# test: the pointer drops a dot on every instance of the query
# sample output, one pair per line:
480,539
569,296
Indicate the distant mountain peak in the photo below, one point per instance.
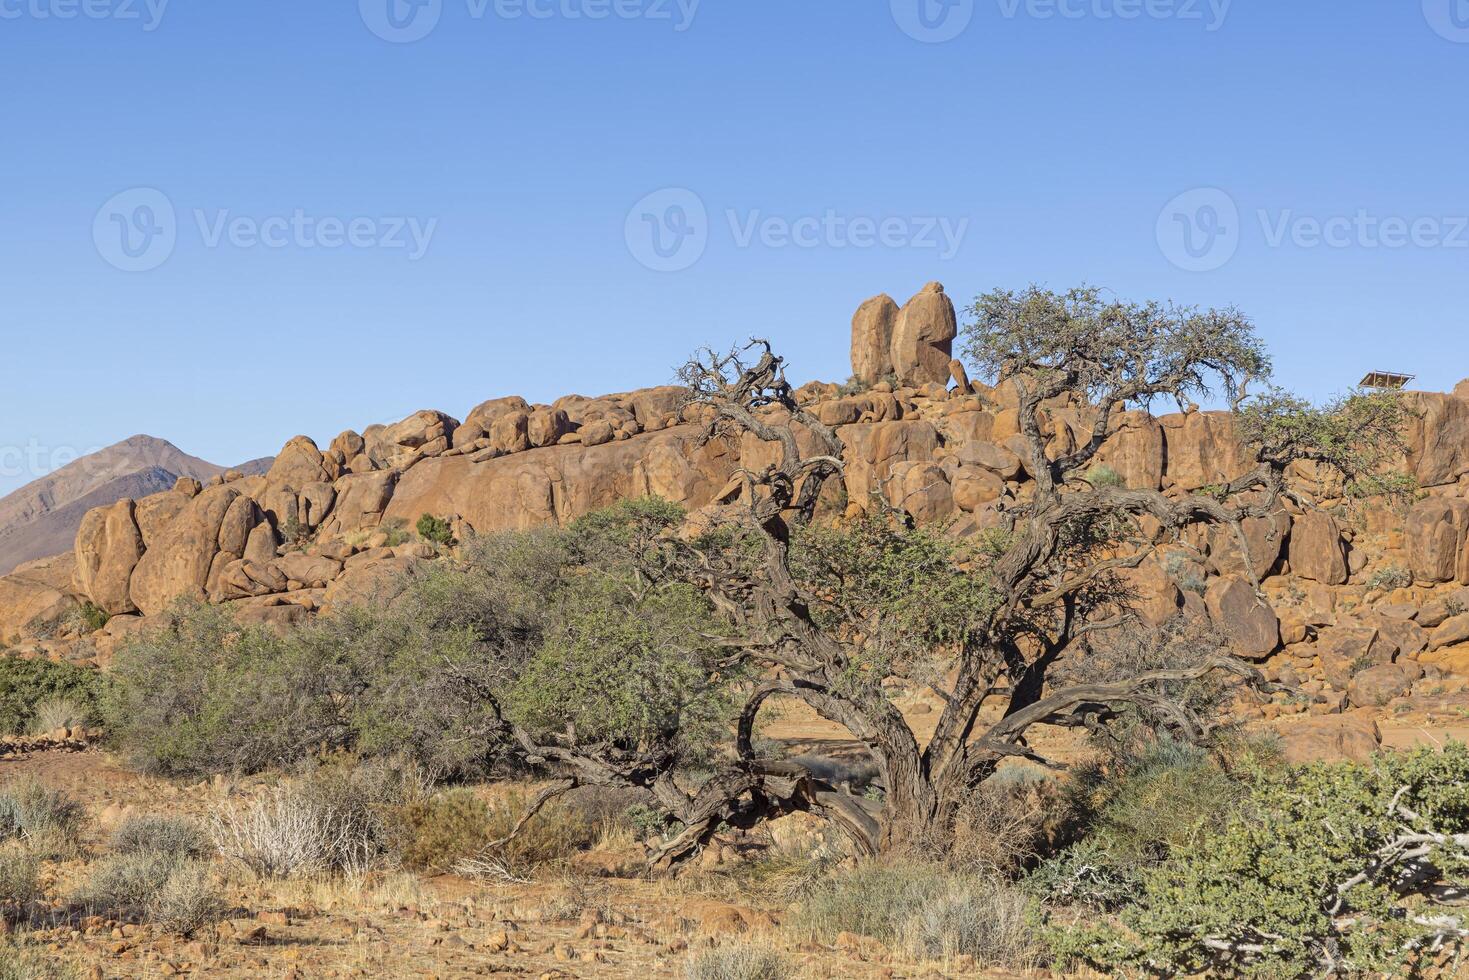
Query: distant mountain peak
41,518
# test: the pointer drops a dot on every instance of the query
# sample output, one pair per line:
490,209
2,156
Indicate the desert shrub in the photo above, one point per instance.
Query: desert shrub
984,918
551,621
187,901
1130,813
123,883
1389,578
998,829
26,684
297,830
55,713
21,960
48,820
19,876
436,833
925,909
204,694
173,837
1103,475
91,617
435,530
394,534
173,892
454,829
1323,869
874,900
738,961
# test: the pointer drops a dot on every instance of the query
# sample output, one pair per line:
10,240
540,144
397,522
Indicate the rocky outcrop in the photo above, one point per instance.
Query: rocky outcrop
923,338
108,548
179,563
872,339
1361,615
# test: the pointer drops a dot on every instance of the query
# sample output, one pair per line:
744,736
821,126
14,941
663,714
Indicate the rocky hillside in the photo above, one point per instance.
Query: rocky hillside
42,518
1356,611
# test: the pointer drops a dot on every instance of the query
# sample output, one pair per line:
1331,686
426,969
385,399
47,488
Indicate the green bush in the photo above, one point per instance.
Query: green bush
435,530
556,623
25,684
1322,869
203,694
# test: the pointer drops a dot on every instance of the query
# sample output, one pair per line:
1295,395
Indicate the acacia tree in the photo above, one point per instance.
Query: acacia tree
833,615
819,621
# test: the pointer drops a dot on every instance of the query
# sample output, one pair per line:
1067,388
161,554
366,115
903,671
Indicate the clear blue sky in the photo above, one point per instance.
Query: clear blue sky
523,143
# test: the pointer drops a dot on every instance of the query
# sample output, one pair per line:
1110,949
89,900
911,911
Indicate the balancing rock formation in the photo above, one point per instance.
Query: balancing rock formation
1357,614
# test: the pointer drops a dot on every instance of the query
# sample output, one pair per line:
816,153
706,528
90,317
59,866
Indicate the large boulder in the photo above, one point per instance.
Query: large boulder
1330,738
484,415
1377,685
1317,550
361,500
1438,437
425,433
1264,538
546,426
1434,534
560,483
923,338
872,339
300,462
873,450
1201,450
922,490
108,548
1248,621
35,598
1344,651
179,562
1133,450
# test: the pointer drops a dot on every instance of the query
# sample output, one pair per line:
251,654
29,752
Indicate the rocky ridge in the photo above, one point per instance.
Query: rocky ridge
1356,614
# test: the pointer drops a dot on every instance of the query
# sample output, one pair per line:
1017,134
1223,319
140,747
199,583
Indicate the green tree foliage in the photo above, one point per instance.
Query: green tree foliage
1321,869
